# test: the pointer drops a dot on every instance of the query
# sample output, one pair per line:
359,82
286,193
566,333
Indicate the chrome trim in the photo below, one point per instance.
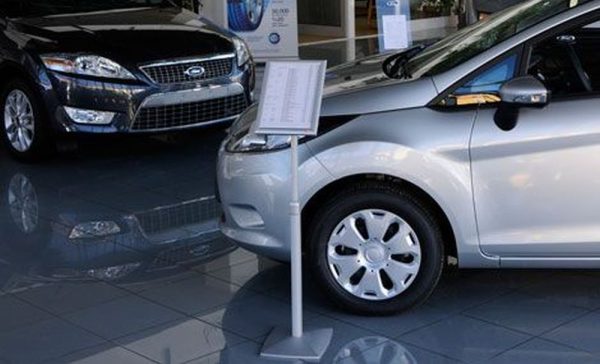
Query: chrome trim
183,127
206,93
172,62
180,61
192,95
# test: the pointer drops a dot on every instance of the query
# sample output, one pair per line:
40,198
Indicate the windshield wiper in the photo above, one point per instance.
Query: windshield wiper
395,66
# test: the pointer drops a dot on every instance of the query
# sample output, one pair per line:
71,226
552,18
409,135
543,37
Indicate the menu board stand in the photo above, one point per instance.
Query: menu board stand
290,106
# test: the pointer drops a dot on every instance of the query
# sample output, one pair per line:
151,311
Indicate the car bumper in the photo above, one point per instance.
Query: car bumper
254,190
142,107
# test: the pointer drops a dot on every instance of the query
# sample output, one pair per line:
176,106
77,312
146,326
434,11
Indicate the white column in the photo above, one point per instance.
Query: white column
350,31
349,9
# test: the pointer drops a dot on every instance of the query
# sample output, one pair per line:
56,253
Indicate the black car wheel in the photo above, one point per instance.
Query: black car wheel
376,249
245,15
24,131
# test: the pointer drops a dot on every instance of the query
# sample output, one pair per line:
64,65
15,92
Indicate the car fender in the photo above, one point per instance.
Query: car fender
437,164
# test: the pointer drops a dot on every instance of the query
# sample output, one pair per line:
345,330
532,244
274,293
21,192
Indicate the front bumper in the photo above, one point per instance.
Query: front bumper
255,194
129,99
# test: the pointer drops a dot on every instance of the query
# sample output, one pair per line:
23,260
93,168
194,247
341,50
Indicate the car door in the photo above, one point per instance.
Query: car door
537,186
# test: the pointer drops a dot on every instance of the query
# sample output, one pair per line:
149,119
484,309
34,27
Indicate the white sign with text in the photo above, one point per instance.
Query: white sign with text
395,32
290,102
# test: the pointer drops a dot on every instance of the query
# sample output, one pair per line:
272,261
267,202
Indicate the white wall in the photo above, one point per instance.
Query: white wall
215,10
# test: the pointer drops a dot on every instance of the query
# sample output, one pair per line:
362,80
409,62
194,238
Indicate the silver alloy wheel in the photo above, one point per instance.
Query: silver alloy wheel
374,254
23,203
19,120
255,9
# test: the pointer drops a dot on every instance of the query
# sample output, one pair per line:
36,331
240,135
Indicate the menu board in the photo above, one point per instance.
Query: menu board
290,102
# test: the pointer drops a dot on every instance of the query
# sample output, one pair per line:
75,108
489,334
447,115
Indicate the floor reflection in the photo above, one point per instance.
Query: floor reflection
51,234
374,350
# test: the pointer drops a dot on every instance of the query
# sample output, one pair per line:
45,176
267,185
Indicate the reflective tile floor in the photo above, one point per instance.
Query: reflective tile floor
110,254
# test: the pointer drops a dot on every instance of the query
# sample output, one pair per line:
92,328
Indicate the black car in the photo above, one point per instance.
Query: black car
114,67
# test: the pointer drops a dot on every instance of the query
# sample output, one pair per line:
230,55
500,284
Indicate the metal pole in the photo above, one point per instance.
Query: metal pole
296,246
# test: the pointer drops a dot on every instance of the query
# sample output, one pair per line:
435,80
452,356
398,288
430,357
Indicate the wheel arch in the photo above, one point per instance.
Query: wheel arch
310,208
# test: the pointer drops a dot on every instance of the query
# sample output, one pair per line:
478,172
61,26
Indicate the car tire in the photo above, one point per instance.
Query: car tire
412,257
245,15
28,139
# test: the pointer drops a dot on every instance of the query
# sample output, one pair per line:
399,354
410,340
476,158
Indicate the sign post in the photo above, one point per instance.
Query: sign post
290,105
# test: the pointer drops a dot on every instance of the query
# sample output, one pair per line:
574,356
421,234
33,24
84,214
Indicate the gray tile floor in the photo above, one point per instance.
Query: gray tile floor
168,289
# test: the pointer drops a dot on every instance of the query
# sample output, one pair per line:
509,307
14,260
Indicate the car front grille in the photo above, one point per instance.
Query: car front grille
171,73
187,114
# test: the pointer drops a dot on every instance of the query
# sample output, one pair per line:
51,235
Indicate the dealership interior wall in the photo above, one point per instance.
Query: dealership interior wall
343,30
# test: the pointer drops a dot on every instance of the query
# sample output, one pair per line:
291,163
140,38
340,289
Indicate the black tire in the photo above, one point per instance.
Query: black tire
41,145
379,196
239,19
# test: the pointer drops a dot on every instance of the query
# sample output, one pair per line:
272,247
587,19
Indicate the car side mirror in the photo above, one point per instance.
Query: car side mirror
519,92
524,91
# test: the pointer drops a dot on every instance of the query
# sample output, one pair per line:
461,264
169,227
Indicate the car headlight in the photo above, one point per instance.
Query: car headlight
243,140
87,65
242,51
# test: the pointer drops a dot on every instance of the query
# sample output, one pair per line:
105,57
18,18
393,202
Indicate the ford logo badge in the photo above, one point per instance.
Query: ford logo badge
195,72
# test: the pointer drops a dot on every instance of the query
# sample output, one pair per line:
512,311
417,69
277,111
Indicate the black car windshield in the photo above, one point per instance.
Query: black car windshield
34,8
473,40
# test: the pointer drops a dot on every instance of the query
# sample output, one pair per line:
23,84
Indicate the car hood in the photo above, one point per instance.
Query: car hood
361,87
134,35
359,74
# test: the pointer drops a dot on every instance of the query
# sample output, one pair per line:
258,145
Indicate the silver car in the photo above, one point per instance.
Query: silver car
484,146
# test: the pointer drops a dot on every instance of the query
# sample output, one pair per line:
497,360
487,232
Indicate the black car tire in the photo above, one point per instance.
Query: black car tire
380,196
41,139
239,15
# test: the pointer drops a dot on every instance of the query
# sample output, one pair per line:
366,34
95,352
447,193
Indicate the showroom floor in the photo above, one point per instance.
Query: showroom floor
166,288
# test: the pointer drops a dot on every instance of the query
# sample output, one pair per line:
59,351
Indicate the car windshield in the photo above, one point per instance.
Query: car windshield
471,41
33,8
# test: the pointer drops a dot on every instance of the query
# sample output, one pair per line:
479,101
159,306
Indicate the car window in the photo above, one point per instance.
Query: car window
492,79
568,64
483,35
484,87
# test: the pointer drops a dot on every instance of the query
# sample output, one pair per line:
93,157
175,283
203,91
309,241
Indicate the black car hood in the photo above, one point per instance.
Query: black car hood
133,35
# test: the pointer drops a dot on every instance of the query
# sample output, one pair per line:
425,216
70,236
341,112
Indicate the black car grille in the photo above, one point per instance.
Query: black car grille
176,72
181,115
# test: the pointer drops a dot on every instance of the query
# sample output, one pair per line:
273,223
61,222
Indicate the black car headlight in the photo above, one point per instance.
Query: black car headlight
242,52
86,65
243,140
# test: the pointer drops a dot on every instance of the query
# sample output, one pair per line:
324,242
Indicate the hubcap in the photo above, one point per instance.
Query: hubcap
374,254
19,121
254,8
23,203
